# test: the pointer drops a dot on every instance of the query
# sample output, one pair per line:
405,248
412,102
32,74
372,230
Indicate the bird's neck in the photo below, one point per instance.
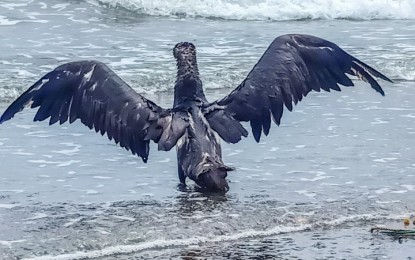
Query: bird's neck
188,86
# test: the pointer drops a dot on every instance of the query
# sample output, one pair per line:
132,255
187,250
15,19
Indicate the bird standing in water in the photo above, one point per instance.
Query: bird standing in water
291,67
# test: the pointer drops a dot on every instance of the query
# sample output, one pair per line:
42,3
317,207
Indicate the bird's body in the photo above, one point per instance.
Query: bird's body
290,68
199,153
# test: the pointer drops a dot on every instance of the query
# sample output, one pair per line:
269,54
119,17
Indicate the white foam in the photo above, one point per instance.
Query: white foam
60,7
317,178
15,191
12,6
5,21
339,168
399,191
104,232
58,163
306,193
26,126
124,218
401,69
9,243
74,150
272,9
91,192
21,153
40,134
37,216
408,187
408,115
382,190
384,160
68,163
8,206
101,177
6,94
128,249
70,223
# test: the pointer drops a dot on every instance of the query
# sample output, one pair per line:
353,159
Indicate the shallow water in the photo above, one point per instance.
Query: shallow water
338,164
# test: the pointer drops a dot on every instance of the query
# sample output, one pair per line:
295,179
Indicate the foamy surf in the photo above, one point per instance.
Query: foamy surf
159,244
278,10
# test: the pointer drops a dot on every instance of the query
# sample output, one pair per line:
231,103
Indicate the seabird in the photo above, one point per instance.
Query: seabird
291,67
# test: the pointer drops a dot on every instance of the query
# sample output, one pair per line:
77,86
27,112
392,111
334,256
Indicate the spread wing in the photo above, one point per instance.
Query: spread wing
92,92
291,67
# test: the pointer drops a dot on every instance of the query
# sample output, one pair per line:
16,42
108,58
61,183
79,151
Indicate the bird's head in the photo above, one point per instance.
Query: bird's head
213,180
188,84
187,70
185,52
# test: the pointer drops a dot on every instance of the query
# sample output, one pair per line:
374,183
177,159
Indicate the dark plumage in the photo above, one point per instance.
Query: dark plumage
291,67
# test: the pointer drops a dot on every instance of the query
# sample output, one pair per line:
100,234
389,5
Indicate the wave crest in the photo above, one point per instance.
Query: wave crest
276,10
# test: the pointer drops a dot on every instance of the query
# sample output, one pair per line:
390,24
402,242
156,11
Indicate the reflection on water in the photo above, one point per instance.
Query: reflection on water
191,203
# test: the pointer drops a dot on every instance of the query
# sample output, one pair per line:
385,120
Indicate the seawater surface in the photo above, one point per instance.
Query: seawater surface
339,164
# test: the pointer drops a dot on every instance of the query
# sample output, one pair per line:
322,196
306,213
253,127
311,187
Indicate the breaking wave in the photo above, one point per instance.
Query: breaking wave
274,10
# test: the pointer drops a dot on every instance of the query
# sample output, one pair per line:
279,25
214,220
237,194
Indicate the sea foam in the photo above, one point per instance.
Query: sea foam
159,244
278,10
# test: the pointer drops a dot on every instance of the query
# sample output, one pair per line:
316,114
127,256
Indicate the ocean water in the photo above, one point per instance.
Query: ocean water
339,164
